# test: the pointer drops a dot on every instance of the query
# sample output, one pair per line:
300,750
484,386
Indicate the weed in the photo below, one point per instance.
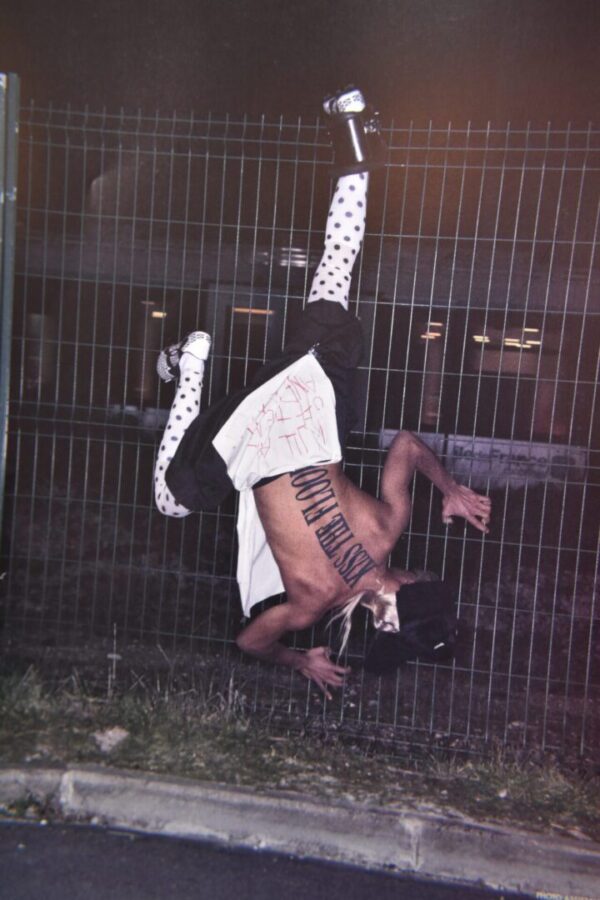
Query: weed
207,733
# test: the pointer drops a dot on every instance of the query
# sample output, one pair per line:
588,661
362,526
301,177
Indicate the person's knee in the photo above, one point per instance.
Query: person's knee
166,502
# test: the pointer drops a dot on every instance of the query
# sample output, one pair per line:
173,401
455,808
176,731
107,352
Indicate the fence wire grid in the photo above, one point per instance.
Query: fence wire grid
478,292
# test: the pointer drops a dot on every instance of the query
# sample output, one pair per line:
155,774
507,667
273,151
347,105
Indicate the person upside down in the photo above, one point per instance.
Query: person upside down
303,527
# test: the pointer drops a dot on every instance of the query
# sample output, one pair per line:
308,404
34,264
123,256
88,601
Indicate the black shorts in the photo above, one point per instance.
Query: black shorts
197,476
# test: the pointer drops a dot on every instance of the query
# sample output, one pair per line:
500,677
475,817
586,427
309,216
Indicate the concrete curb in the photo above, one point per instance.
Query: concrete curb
426,844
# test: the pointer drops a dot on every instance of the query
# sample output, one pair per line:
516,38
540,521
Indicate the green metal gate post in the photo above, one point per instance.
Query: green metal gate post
9,111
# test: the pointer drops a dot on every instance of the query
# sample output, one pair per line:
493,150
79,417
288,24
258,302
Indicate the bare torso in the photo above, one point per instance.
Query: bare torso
330,539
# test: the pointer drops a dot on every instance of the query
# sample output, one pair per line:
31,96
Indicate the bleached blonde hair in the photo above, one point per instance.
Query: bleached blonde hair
378,602
345,615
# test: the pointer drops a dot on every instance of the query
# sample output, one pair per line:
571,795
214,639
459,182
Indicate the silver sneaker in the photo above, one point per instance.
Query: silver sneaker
348,100
197,343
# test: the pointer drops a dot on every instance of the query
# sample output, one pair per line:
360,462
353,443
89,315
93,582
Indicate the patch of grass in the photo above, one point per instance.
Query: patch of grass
205,733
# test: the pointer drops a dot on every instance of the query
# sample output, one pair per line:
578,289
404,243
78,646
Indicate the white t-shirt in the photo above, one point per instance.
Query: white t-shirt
285,424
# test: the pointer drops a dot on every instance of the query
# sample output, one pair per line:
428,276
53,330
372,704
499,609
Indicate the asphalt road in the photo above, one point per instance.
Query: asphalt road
68,862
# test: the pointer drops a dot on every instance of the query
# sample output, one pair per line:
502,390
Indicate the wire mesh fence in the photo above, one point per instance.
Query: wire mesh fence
478,292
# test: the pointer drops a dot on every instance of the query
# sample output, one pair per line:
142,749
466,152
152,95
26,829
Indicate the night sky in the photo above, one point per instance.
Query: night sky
421,60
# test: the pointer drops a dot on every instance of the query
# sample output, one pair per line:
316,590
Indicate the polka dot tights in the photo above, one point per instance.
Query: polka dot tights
343,240
184,410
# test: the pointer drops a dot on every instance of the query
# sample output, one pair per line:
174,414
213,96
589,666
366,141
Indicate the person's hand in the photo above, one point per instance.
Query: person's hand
317,666
462,501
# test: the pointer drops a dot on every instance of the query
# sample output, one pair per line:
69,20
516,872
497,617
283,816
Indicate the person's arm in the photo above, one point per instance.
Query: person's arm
261,639
408,453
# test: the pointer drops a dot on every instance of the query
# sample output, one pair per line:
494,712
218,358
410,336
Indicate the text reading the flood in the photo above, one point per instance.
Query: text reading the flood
336,539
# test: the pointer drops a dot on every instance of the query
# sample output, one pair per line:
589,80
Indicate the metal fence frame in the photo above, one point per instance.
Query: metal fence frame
133,227
9,106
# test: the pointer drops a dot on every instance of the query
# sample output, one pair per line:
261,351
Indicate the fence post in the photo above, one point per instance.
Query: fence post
9,128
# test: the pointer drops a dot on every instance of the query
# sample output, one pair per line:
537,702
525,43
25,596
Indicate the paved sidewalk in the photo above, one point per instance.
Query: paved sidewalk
439,846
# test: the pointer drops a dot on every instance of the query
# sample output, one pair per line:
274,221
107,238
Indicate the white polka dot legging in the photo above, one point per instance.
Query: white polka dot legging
343,240
184,410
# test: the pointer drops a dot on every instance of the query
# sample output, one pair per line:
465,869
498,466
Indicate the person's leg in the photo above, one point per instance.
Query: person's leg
352,129
184,363
343,239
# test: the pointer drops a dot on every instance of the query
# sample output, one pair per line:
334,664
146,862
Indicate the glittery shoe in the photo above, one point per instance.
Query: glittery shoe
197,343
